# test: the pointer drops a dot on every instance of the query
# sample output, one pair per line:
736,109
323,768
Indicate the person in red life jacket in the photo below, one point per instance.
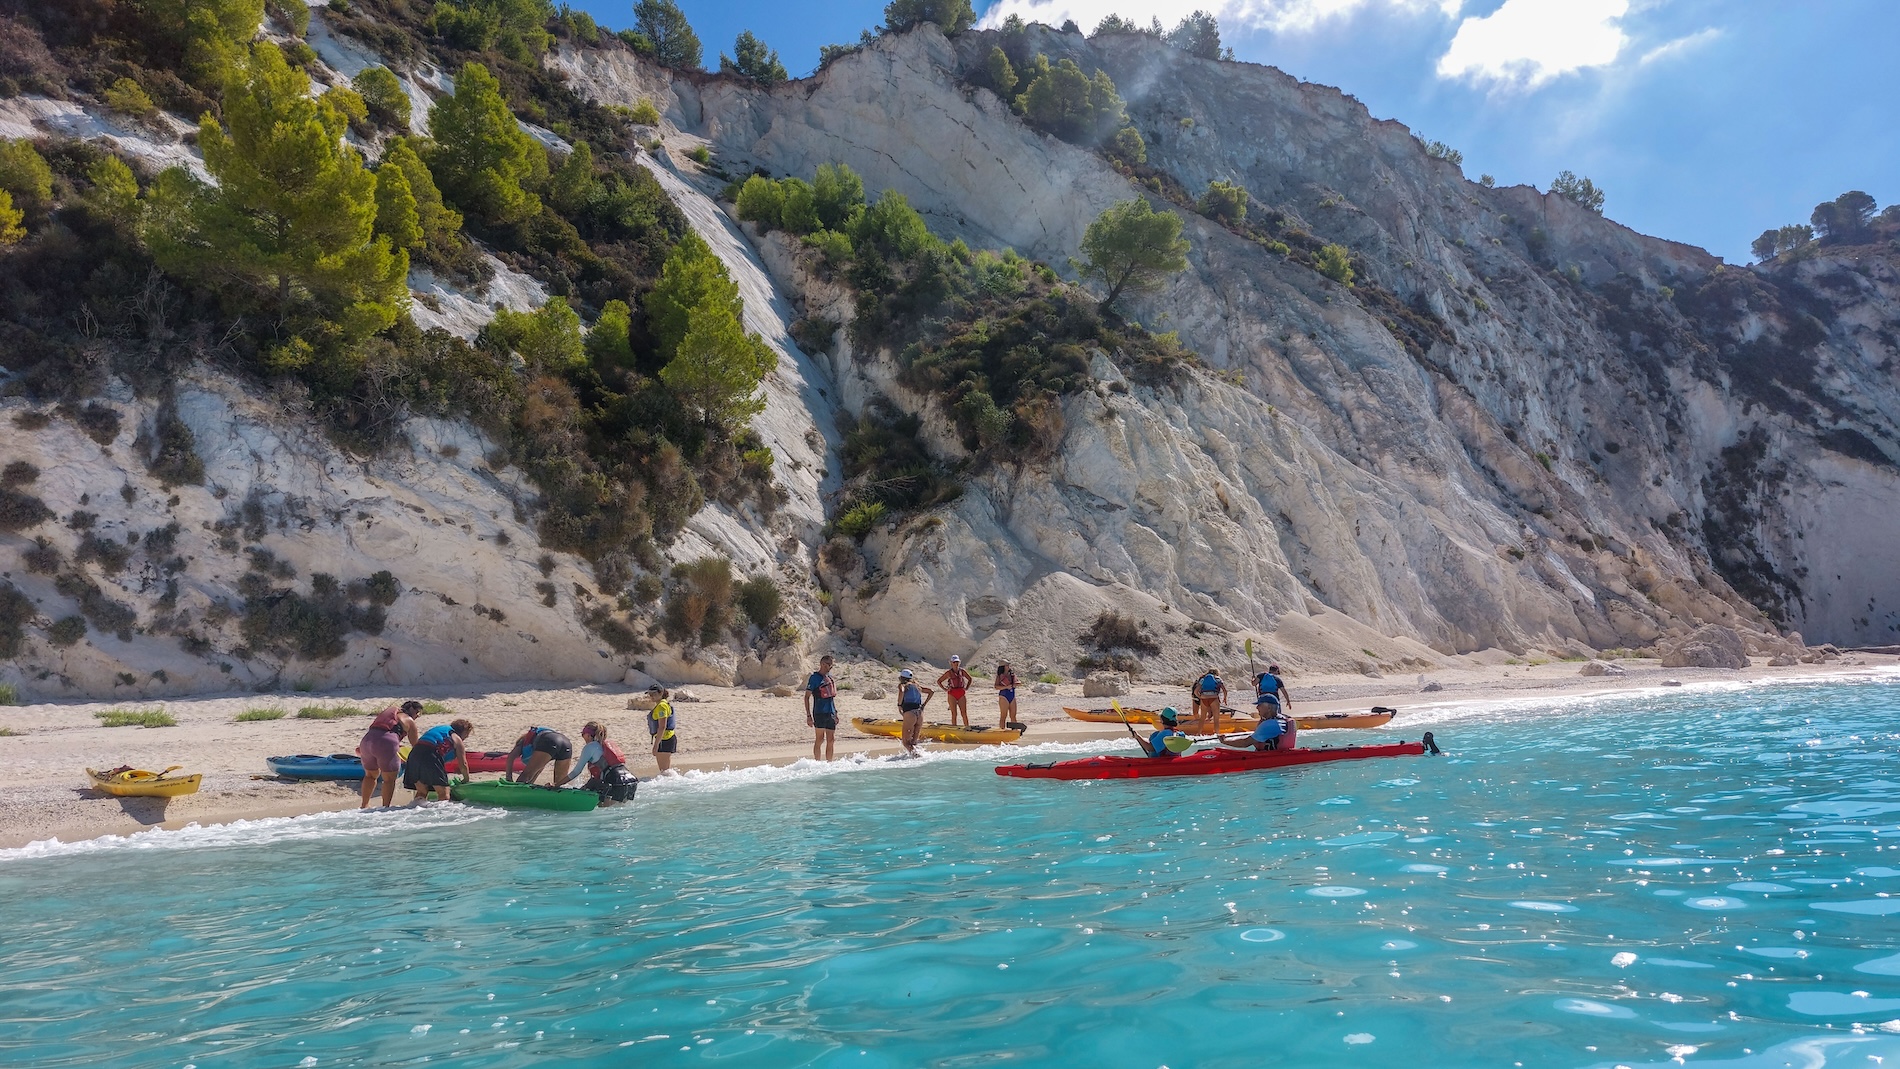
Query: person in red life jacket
1210,693
821,709
430,757
605,765
381,750
662,728
1005,695
911,699
538,747
956,690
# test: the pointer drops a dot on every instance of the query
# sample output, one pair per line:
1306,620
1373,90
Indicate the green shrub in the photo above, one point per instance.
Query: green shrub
645,114
329,712
140,718
1335,262
1224,202
19,473
436,709
700,606
249,715
128,97
16,610
859,519
383,96
66,631
19,511
295,13
108,615
700,154
1114,630
1049,677
760,600
111,555
9,695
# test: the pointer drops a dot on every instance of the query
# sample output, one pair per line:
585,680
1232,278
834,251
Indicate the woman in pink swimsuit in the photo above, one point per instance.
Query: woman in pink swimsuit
381,746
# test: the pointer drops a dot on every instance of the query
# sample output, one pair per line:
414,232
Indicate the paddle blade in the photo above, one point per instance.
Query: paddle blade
1178,743
1249,645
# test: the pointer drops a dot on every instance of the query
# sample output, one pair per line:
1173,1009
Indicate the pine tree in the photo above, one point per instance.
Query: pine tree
1132,247
293,212
212,34
839,196
396,216
610,343
664,24
114,193
573,183
481,158
440,224
951,16
752,59
692,277
718,367
26,174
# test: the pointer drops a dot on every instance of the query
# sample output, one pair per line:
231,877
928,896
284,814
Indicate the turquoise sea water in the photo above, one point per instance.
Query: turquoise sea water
1699,878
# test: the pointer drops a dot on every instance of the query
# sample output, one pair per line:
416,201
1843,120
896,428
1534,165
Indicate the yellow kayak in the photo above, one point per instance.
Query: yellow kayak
1229,722
139,783
892,729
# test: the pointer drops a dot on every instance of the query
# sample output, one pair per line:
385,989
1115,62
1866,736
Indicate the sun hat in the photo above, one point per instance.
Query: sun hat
905,674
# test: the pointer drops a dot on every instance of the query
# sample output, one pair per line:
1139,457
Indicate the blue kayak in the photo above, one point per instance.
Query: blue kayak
317,766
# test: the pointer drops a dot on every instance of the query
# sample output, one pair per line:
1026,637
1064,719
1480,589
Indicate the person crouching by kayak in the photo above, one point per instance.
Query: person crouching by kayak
1158,745
911,699
1210,693
661,728
821,709
381,749
536,748
1274,733
606,767
956,690
429,759
1270,695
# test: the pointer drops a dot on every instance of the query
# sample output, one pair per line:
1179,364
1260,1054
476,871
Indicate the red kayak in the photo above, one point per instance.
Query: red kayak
486,761
1207,762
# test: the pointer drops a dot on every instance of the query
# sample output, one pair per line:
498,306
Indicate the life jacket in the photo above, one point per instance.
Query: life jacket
1267,688
660,720
1006,680
1270,728
1158,743
610,756
826,688
526,742
389,720
1209,685
959,679
911,697
440,738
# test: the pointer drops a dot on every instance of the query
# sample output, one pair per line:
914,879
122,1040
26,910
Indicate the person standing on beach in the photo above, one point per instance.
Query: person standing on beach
662,729
1005,695
956,691
606,764
911,699
430,757
1210,693
381,750
821,709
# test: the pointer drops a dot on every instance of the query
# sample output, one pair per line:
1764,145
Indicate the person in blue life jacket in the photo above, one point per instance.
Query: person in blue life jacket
537,748
1274,733
1271,699
912,696
1161,741
1210,693
430,757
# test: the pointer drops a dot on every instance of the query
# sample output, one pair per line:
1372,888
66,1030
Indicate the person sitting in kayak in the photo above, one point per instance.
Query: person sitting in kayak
380,750
1270,695
1210,693
1274,733
662,730
537,747
430,757
956,689
1159,742
911,699
606,766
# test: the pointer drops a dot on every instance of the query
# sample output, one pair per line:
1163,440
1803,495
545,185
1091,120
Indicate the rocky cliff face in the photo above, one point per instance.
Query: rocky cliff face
1560,467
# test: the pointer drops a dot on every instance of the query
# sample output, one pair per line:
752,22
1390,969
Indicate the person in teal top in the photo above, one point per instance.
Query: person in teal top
1157,744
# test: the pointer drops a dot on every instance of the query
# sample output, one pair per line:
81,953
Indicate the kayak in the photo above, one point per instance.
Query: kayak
892,729
1204,763
525,796
1379,717
314,766
478,760
140,783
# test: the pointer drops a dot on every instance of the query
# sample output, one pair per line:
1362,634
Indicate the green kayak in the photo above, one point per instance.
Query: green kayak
523,796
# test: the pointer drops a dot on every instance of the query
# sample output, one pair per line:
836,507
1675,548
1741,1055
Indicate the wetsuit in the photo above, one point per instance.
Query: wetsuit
824,701
607,768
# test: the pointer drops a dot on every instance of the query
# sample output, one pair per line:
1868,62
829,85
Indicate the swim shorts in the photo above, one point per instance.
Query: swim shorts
671,745
555,745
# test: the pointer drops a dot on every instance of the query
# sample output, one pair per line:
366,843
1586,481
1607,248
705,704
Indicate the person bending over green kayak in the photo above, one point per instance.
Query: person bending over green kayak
537,747
429,759
606,765
380,750
1161,743
911,699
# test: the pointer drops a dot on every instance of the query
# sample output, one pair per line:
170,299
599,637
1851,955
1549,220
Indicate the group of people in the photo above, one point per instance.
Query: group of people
1277,730
435,752
821,702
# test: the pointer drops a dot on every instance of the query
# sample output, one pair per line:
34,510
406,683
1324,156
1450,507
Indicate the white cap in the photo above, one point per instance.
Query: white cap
905,674
954,659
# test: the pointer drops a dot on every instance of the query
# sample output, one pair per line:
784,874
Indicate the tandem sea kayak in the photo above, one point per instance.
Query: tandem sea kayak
1207,762
893,729
525,796
317,766
1230,721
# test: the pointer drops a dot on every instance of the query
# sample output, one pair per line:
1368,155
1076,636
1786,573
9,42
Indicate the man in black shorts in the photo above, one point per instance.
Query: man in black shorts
821,709
536,748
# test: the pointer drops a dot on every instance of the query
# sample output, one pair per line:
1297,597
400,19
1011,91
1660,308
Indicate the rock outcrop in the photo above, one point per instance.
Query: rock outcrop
1708,646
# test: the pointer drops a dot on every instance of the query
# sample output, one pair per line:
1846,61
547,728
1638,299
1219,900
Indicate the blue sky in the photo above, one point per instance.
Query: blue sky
1706,121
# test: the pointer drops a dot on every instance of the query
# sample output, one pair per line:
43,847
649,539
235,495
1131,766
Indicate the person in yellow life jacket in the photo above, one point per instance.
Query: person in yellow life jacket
605,766
956,692
662,728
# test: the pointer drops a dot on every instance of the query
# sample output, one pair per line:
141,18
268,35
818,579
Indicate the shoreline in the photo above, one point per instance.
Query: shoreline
52,744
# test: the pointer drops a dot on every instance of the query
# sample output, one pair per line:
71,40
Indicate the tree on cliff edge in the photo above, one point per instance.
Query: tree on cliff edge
1131,247
951,16
664,24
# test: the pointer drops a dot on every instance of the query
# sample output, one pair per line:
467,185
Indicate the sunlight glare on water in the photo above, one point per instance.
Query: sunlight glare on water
1701,878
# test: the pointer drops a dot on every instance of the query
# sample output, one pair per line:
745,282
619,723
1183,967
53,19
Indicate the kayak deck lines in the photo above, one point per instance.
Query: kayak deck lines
1208,762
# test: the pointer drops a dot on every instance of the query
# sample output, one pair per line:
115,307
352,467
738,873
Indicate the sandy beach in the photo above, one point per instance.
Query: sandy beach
47,747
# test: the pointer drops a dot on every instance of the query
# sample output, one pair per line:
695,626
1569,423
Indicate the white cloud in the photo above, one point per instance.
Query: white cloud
1677,47
1279,16
1526,43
